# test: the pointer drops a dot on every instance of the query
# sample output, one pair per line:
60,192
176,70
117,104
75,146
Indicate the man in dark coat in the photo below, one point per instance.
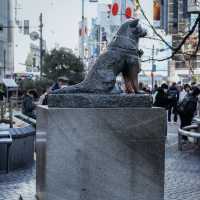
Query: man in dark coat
173,96
188,106
28,105
161,99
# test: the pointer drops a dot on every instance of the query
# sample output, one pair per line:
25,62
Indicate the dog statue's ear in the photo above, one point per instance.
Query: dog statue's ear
134,23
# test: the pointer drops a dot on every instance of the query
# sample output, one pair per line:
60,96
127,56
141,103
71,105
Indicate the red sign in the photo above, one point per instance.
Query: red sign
128,12
115,9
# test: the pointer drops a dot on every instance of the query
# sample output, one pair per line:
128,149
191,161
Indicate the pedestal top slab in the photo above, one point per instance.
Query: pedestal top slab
85,100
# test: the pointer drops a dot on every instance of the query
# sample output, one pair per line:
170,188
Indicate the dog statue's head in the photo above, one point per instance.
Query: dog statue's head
128,35
132,29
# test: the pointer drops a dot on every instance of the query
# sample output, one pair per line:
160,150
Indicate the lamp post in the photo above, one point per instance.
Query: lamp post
153,67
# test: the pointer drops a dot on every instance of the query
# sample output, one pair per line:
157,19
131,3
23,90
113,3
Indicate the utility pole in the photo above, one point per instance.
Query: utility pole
41,44
153,67
4,63
83,29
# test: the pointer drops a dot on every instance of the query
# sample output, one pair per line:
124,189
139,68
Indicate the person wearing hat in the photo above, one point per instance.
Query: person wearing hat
61,83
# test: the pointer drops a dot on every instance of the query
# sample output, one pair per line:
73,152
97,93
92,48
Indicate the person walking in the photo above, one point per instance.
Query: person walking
173,96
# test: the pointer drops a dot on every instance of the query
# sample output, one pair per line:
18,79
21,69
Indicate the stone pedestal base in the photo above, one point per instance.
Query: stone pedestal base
101,153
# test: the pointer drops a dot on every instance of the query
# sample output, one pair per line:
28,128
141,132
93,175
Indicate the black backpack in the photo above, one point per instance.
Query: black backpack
181,106
187,105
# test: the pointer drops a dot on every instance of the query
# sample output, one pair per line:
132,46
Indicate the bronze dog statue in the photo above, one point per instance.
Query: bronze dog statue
122,56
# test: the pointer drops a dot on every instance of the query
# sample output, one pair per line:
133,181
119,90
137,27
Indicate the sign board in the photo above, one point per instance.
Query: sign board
156,13
26,27
9,83
34,35
154,68
194,6
93,1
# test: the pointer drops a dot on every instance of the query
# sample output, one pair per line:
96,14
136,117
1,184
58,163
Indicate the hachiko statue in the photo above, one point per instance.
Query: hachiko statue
122,56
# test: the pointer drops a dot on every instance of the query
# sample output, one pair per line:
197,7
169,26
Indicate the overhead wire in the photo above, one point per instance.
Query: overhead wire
151,26
175,50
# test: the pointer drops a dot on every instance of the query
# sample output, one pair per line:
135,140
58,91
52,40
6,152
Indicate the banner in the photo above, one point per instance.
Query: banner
129,10
116,15
83,30
156,13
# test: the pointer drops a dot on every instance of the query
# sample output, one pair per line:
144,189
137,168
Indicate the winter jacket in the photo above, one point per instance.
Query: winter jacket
28,106
161,99
188,105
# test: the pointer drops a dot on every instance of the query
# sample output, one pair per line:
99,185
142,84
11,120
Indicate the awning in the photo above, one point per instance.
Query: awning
9,83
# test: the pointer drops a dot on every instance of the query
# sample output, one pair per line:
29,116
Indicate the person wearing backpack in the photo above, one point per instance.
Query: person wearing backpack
173,96
186,109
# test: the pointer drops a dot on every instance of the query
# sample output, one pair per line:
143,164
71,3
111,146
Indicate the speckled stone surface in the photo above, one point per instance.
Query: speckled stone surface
86,100
104,153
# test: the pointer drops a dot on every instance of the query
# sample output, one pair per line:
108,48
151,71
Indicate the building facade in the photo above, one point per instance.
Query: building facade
180,22
6,39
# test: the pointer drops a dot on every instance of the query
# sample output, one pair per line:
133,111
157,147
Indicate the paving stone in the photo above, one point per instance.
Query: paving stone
20,182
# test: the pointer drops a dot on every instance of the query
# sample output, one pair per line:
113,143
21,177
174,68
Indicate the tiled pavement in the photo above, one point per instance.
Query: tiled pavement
14,184
182,177
182,180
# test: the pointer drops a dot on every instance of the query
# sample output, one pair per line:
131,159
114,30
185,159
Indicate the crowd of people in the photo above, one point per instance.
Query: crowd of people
30,97
179,100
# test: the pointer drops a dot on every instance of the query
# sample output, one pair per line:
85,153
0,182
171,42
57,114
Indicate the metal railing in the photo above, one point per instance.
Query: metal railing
188,131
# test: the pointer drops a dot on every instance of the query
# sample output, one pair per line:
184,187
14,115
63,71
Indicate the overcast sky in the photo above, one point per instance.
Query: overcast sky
61,19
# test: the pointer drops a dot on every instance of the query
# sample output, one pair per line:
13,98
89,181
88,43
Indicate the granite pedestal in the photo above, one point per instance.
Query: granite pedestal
101,153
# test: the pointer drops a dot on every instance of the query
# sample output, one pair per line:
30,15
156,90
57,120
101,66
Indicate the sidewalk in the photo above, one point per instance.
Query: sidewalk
182,179
182,176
